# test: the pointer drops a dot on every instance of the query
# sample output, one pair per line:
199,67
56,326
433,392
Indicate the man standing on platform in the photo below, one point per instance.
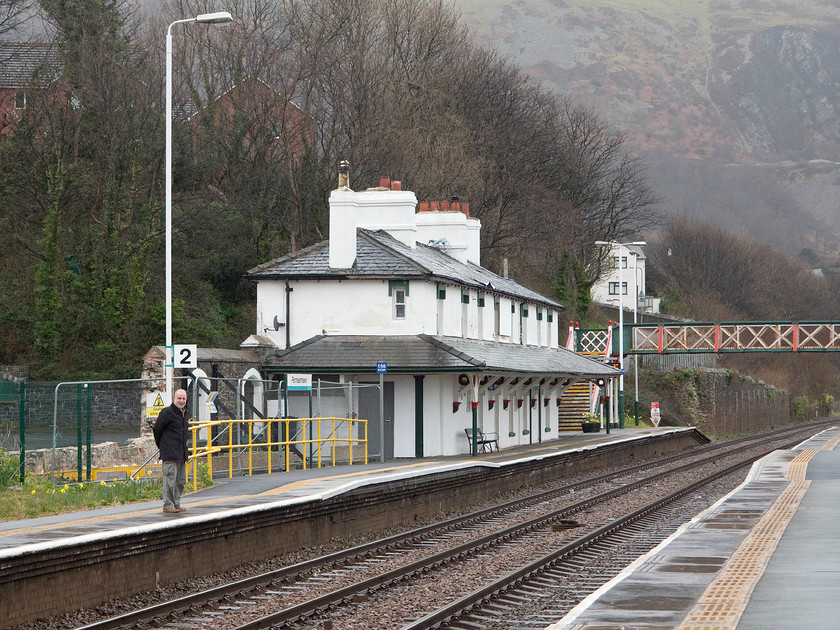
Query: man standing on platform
171,431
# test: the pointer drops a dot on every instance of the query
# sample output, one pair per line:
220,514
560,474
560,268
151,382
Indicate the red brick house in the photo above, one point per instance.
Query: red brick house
24,67
270,119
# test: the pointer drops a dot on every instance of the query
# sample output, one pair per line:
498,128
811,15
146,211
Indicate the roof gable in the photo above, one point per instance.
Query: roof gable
380,255
21,62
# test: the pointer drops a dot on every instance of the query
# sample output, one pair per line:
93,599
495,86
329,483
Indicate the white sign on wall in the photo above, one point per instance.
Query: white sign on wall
186,356
298,382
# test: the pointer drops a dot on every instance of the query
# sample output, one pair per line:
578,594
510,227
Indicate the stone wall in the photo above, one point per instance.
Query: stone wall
111,408
719,402
134,452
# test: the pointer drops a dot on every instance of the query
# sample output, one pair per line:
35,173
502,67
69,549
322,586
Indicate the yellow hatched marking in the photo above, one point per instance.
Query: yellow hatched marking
832,443
725,599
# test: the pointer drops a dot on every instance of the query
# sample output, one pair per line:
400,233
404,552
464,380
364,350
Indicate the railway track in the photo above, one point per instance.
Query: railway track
312,591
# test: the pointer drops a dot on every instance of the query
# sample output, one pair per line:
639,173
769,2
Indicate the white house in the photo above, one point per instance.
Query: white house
623,278
404,287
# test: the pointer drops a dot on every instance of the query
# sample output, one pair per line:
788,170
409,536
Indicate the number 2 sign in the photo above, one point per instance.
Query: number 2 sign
186,356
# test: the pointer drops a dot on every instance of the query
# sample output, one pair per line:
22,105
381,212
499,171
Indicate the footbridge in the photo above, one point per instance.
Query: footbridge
720,337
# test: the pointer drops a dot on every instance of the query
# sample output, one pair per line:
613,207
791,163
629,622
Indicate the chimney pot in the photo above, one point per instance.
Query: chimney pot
384,182
395,185
444,206
435,206
344,174
456,205
465,208
424,206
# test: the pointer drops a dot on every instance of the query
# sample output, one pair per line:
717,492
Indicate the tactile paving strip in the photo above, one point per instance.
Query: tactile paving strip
725,599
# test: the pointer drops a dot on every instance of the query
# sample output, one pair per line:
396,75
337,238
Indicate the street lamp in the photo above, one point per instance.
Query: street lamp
220,17
635,320
620,324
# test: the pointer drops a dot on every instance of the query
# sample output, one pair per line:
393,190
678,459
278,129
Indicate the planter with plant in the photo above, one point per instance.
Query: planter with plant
591,423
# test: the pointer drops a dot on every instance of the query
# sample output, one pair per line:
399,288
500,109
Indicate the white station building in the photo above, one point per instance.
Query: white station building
399,285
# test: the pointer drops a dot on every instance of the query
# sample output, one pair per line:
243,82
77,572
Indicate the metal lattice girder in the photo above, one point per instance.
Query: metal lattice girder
591,340
715,337
733,337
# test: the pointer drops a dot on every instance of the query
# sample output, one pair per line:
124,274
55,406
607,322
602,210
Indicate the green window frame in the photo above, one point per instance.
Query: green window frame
397,284
441,292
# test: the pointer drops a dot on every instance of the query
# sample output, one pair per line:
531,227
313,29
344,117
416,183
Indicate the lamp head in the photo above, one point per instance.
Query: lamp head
219,17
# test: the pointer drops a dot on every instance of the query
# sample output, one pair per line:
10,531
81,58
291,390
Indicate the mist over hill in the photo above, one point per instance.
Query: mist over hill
734,105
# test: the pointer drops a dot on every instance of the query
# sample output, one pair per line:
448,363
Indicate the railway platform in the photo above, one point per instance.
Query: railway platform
765,557
55,564
312,484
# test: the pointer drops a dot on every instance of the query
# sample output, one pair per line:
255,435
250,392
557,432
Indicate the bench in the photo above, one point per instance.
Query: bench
484,441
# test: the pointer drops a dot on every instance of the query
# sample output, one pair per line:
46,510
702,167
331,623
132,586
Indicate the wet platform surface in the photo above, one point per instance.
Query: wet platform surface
765,557
244,493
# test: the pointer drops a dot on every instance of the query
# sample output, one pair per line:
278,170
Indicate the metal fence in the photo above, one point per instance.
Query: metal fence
94,429
271,444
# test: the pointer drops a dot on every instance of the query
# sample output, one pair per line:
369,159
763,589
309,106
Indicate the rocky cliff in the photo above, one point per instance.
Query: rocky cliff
734,103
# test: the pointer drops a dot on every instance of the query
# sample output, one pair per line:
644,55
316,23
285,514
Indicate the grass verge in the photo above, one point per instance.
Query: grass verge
37,496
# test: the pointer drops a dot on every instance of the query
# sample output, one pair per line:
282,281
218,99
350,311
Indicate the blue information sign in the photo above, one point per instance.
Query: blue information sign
381,367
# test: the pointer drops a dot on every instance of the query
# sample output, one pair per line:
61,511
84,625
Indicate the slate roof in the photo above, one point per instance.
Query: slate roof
19,61
430,354
380,255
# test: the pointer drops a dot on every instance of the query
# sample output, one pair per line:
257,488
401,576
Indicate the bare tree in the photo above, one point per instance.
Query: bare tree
14,15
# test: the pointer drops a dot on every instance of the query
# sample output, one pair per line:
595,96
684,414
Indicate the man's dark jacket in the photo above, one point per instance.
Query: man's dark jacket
171,431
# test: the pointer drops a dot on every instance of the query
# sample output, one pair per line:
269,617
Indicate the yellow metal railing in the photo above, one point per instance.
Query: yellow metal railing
323,433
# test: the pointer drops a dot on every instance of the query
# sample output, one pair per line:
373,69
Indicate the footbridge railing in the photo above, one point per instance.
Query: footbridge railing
673,338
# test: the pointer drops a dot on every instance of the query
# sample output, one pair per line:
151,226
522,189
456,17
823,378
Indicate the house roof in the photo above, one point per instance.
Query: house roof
430,354
20,61
379,255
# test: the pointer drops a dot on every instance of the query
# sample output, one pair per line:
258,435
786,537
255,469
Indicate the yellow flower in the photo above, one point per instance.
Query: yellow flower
66,487
81,486
63,490
102,483
33,491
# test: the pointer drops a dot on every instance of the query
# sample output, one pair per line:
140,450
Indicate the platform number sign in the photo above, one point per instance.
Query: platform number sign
381,367
186,356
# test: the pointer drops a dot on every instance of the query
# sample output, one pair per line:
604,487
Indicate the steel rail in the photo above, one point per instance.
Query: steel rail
346,594
250,584
468,603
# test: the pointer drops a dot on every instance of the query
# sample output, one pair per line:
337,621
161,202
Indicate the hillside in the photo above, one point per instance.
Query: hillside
733,104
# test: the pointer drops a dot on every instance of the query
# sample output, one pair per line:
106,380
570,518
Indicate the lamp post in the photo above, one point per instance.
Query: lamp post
620,246
635,320
220,17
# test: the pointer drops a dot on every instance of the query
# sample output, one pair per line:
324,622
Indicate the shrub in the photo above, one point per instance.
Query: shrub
800,407
9,469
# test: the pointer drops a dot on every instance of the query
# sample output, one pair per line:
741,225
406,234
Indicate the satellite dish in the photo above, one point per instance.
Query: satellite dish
277,323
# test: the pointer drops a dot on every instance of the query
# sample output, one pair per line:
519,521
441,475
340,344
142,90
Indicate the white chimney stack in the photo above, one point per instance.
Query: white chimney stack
387,208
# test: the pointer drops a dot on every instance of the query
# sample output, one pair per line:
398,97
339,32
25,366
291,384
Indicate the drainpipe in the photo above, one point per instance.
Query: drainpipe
288,313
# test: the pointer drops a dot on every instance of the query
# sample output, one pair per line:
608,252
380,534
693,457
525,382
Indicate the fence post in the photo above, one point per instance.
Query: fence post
79,432
22,423
89,460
